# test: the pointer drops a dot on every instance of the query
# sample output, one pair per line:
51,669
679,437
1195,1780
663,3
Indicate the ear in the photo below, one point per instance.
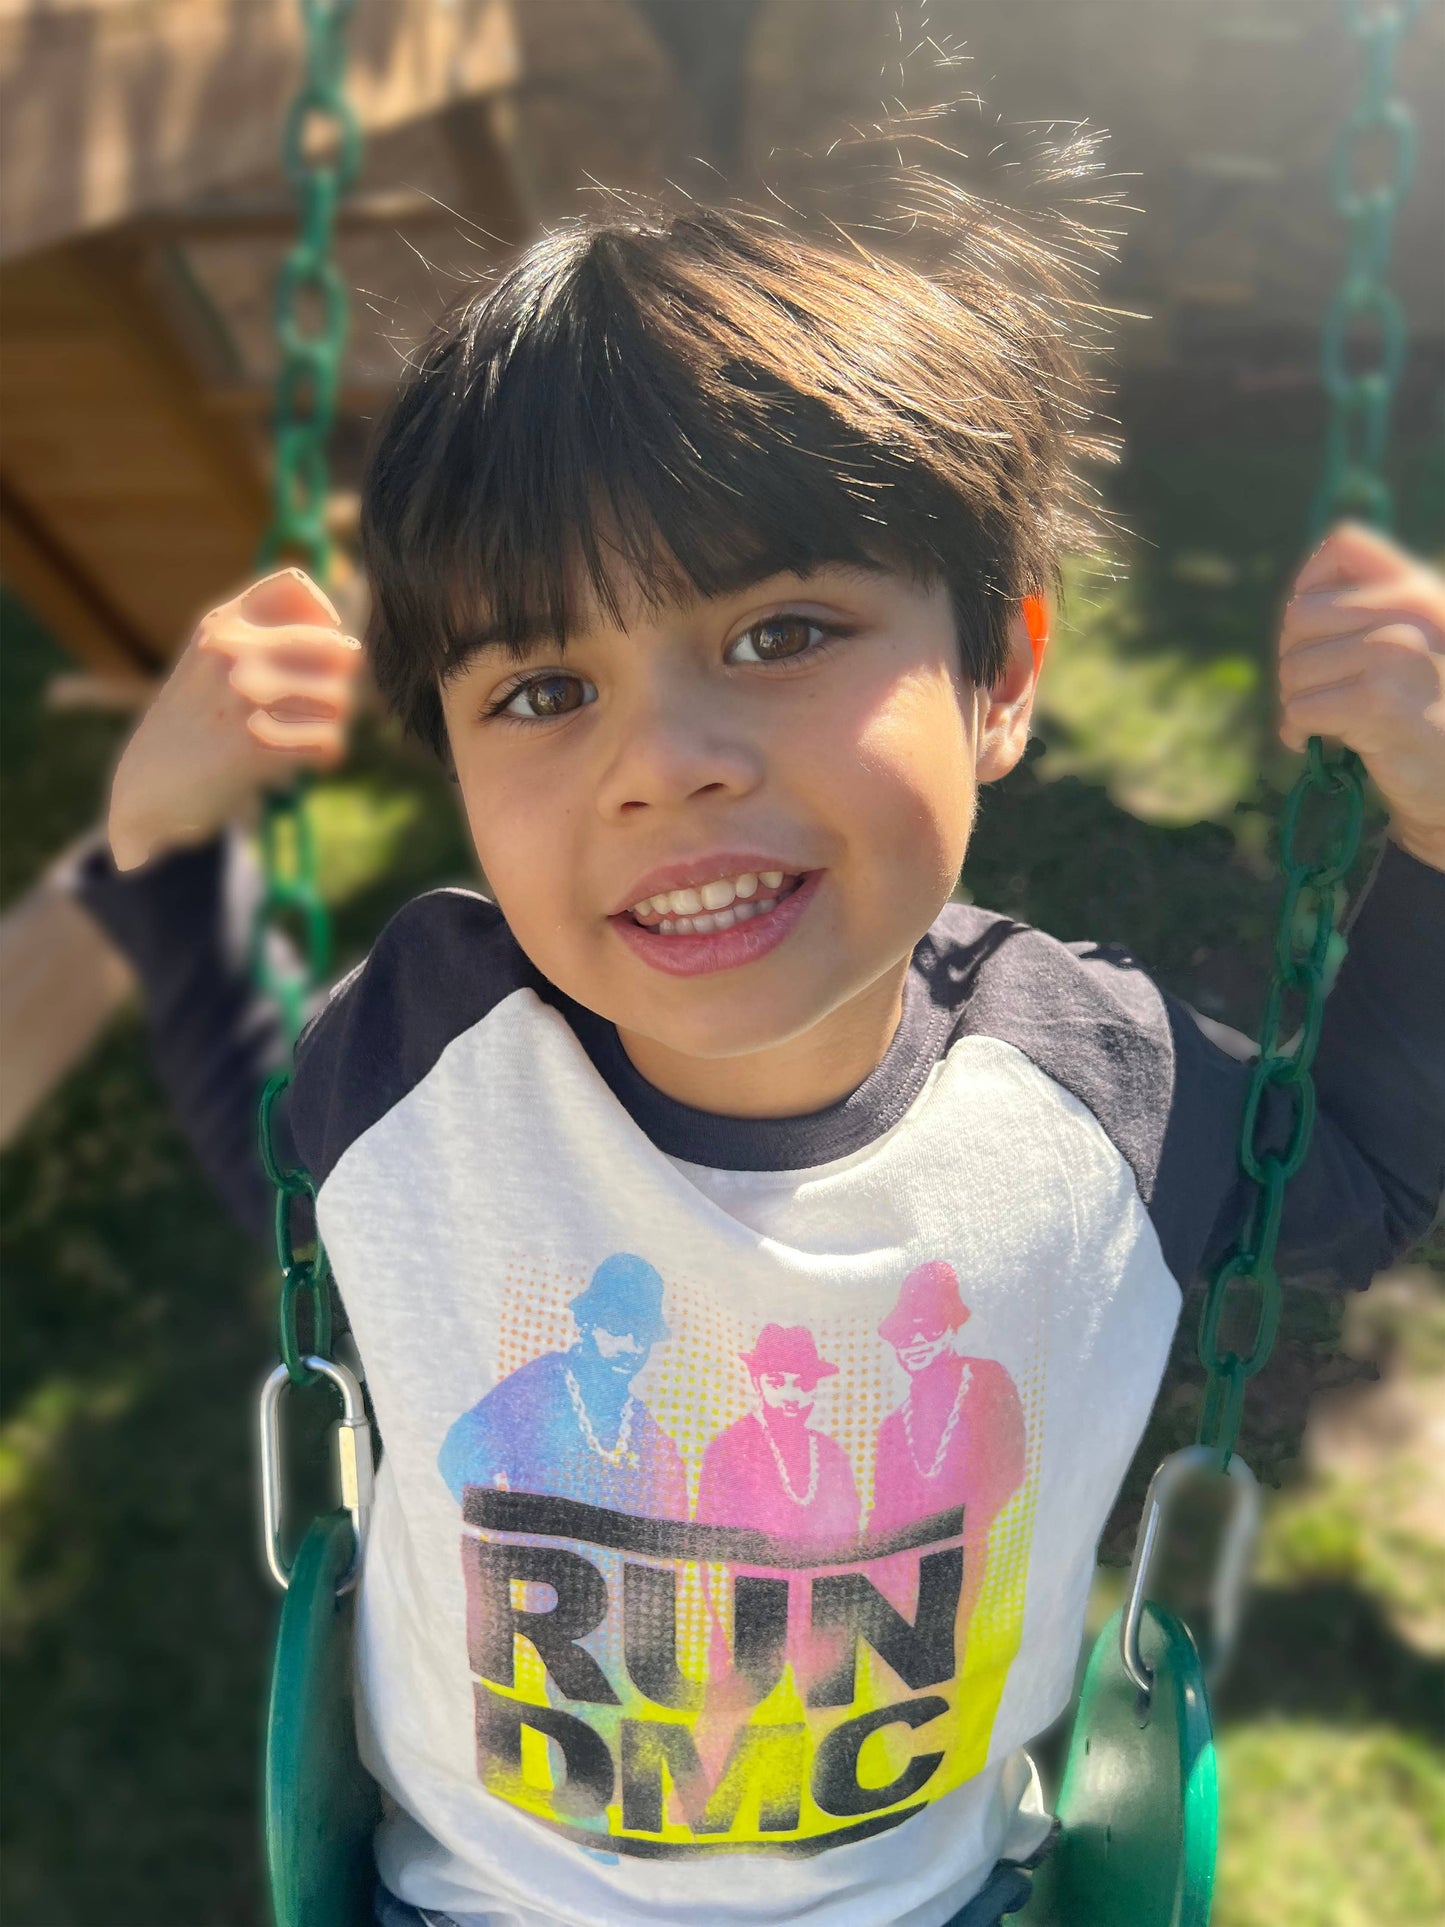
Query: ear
1004,727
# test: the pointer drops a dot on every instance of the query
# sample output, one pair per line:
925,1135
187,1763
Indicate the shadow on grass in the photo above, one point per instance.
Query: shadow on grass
1325,1651
136,1618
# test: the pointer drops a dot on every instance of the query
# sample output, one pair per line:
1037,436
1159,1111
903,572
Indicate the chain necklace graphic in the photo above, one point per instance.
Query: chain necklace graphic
618,1454
806,1497
931,1471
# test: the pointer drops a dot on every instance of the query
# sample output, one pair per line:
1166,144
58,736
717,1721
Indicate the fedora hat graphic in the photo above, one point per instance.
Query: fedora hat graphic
928,1301
624,1294
787,1348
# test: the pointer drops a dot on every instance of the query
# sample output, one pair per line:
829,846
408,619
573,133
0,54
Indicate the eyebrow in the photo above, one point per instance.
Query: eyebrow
465,648
520,644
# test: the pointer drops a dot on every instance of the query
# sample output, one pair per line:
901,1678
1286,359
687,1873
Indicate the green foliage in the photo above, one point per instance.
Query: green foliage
1170,738
56,766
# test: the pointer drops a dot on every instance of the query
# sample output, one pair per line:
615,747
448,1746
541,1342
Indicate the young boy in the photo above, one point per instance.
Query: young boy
763,1268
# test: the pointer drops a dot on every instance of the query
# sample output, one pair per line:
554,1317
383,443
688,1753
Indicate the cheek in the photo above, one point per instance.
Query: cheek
523,829
908,775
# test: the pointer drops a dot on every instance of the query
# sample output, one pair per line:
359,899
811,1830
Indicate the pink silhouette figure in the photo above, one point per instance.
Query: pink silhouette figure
771,1470
956,1439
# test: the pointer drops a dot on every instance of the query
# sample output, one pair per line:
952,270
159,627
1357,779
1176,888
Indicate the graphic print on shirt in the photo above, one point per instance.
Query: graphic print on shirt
738,1588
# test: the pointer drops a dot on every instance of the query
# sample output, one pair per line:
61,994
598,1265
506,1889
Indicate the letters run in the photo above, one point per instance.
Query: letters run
630,1723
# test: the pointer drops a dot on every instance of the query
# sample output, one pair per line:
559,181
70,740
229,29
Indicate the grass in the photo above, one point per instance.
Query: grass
1331,1827
137,1320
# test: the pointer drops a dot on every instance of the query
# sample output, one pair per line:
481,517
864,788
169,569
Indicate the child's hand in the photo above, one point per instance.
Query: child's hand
265,687
1362,658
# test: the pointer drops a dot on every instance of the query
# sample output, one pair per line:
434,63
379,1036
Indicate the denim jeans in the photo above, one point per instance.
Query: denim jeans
1003,1893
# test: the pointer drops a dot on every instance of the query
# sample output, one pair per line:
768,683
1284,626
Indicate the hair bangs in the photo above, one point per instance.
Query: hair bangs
671,405
583,456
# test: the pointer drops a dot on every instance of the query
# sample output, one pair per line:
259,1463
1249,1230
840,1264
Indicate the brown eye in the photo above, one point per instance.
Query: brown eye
547,696
776,640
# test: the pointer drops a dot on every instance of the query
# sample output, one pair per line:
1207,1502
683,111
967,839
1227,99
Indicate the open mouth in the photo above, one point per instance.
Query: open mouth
714,906
719,924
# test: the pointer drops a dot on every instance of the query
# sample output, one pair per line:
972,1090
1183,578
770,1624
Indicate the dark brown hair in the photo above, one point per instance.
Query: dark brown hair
698,399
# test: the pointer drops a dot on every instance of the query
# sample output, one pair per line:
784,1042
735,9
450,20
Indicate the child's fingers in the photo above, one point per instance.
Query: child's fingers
1316,665
304,739
266,683
304,645
1351,553
288,596
1332,711
1334,612
1379,652
1362,689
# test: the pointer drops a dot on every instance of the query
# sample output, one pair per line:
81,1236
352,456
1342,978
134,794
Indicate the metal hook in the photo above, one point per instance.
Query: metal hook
1230,1574
354,1470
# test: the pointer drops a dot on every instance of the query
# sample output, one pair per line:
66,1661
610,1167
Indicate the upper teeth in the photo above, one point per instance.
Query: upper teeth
709,896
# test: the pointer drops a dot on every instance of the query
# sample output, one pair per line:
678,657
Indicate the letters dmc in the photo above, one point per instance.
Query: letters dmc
554,1597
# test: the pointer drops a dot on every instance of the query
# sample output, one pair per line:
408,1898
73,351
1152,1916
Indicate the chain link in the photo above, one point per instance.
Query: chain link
289,893
321,153
1245,1287
305,1269
1361,397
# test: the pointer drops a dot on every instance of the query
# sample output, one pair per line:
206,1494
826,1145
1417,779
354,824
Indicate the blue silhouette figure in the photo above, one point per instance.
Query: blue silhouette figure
568,1423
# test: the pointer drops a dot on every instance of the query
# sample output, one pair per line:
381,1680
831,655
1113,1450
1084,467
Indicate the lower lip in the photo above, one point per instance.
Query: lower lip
719,949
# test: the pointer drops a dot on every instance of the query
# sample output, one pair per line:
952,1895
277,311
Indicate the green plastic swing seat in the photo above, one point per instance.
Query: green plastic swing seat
1139,1804
321,1806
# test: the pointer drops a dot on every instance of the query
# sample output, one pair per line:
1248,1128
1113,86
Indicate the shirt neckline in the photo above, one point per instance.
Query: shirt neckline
778,1143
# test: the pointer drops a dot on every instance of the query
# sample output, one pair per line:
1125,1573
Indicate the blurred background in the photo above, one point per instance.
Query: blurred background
143,215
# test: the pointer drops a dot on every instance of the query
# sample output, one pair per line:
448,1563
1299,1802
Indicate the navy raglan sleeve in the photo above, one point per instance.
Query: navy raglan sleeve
1371,1184
183,923
1168,1086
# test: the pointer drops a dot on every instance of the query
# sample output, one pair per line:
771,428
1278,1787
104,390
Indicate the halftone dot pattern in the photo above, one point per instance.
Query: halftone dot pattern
999,1613
699,1386
995,1629
536,1312
854,1404
696,1385
695,1382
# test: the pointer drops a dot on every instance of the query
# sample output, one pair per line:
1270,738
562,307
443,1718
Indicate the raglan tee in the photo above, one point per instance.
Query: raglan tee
742,1479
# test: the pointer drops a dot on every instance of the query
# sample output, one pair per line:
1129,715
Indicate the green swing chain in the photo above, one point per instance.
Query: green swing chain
1308,946
321,153
1307,943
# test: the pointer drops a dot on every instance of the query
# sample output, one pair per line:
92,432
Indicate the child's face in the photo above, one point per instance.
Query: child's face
816,727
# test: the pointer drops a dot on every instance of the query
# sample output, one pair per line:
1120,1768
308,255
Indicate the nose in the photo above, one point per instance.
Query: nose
677,740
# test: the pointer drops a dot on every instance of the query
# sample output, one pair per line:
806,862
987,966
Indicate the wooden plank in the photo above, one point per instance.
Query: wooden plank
60,984
481,139
75,610
240,217
252,400
112,107
147,505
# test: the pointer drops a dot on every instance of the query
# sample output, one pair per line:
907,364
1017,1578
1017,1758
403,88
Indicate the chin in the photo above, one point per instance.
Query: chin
740,1013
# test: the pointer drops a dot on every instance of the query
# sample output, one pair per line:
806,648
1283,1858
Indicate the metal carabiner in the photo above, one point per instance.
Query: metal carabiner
353,1464
1229,1577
